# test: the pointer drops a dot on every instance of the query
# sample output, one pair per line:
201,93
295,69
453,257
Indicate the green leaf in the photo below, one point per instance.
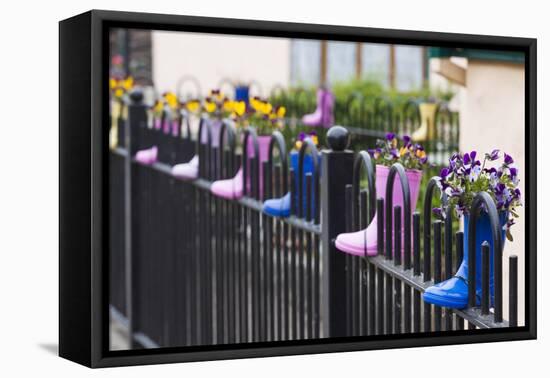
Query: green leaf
509,235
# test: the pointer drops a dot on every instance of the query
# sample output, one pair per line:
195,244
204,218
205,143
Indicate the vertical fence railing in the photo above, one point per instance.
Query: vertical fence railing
200,270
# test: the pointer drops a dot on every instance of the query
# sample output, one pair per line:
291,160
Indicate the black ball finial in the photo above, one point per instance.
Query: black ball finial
136,96
338,138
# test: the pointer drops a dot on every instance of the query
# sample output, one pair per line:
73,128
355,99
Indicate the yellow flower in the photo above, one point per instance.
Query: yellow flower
158,106
420,154
112,83
314,139
171,99
228,105
298,144
394,142
119,92
239,108
281,111
210,106
128,83
217,94
403,151
255,103
192,105
267,108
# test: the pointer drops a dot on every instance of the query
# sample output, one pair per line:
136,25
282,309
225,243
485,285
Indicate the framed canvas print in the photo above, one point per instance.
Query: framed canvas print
236,188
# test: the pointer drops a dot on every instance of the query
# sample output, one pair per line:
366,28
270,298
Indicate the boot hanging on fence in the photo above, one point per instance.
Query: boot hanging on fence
324,113
427,122
280,207
365,241
453,293
187,171
149,155
190,170
233,188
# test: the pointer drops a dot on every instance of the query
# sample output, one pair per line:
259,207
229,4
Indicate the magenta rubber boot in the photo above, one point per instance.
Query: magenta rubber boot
233,188
364,242
327,114
316,118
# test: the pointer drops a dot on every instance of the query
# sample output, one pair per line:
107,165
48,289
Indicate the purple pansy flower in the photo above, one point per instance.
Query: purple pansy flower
438,212
493,155
508,159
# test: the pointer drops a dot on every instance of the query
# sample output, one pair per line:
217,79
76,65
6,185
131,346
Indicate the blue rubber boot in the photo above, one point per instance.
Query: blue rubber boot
453,293
280,207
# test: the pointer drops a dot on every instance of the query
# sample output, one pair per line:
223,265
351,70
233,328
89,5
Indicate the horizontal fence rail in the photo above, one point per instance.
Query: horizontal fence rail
188,267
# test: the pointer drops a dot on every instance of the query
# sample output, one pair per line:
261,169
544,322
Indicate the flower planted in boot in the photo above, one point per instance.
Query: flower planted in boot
147,156
453,293
266,118
365,241
413,158
187,171
461,181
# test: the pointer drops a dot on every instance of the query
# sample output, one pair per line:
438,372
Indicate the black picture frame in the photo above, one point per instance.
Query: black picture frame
83,104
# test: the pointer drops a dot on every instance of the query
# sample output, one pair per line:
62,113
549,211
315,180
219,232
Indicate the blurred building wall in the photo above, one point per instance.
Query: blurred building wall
214,59
493,116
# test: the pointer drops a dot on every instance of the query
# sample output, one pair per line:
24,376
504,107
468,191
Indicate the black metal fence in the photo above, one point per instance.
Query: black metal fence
369,119
189,268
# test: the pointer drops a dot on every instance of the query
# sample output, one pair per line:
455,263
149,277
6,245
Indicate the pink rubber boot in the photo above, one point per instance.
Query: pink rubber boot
190,170
157,124
233,188
229,189
147,156
364,242
187,171
316,118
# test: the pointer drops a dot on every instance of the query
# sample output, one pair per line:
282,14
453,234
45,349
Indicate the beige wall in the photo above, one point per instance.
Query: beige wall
212,58
493,116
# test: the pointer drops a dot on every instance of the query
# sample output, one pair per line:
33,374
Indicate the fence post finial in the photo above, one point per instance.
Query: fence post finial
338,138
